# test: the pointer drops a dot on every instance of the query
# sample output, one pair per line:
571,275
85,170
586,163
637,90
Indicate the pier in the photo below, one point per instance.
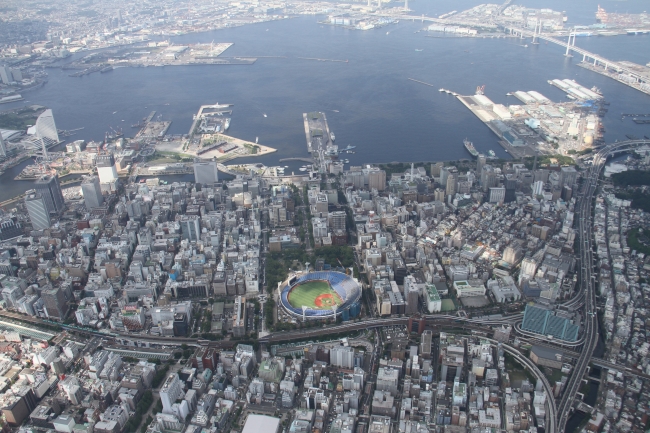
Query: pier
480,112
318,135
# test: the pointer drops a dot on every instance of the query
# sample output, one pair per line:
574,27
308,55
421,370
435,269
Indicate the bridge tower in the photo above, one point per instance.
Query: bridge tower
537,23
572,34
406,5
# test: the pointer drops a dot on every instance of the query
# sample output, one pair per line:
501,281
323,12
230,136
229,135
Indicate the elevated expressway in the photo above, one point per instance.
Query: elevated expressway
587,277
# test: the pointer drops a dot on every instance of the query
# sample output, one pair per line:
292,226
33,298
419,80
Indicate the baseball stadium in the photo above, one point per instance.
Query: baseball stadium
321,295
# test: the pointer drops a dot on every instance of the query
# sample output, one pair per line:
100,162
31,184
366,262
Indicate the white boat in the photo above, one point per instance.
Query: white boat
226,124
332,136
256,138
265,115
302,169
441,90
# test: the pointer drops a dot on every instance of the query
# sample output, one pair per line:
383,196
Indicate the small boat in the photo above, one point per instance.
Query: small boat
336,111
508,94
114,112
441,90
265,115
332,136
388,32
256,138
226,124
491,153
303,169
418,50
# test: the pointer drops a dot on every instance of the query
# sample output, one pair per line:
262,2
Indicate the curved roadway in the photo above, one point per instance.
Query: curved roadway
587,282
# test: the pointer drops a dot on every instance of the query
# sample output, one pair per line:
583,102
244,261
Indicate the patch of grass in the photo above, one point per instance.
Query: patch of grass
543,160
307,294
553,375
448,305
638,240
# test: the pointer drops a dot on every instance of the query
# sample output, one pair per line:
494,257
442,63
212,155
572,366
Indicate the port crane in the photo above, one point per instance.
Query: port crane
480,90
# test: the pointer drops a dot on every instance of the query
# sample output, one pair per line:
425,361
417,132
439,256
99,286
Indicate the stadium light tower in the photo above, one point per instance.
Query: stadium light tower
304,316
334,308
306,266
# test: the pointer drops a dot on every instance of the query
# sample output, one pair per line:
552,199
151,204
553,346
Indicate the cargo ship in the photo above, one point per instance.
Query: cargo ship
226,125
470,148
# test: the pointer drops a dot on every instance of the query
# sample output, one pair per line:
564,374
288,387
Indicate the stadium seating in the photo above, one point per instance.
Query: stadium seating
346,287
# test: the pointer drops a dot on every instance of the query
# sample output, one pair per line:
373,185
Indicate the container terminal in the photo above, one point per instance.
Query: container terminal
539,125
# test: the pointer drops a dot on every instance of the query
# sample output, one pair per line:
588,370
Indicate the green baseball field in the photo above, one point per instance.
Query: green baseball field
317,295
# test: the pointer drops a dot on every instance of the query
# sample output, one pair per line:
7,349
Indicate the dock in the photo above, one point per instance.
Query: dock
575,90
319,137
489,120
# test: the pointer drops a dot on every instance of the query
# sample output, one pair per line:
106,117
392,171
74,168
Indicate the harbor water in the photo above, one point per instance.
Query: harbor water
369,101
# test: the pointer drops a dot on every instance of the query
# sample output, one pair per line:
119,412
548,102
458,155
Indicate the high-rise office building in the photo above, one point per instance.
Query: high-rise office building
48,186
171,391
10,228
205,172
92,192
480,163
55,303
5,75
106,168
191,227
377,180
568,176
37,210
451,187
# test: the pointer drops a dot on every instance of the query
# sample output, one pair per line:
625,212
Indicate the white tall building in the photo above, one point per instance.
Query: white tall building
171,391
45,126
342,357
92,192
205,172
106,168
